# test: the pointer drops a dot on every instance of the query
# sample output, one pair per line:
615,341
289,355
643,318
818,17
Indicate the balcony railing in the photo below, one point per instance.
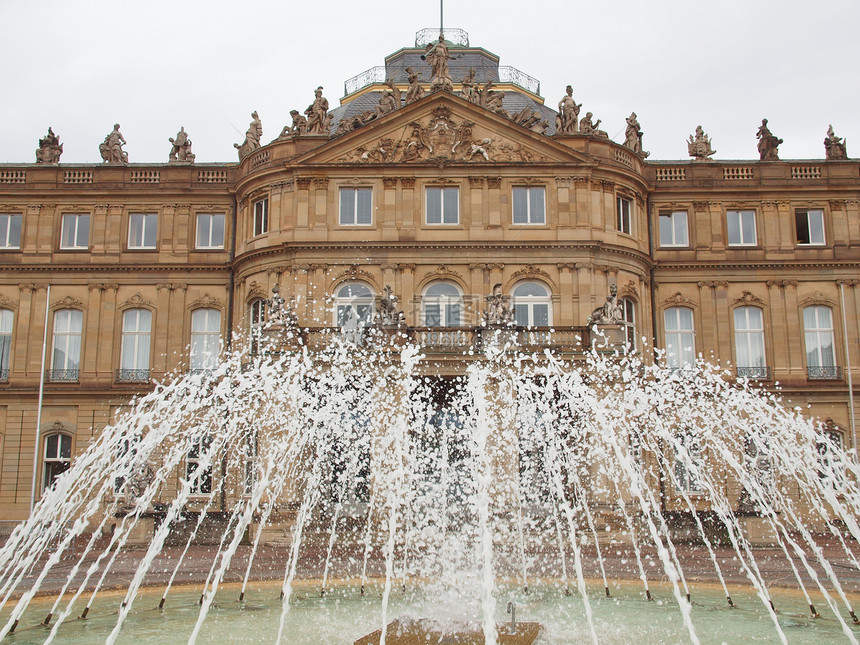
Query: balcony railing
58,376
760,373
126,375
823,372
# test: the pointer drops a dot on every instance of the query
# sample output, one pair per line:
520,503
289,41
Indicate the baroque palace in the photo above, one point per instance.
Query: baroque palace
443,177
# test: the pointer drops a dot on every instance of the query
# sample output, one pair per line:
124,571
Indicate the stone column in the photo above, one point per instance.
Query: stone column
317,286
780,360
92,336
410,210
796,345
566,315
162,324
582,205
108,331
496,273
320,216
724,329
302,206
479,285
494,185
562,201
30,242
388,209
583,301
406,291
28,332
300,291
476,202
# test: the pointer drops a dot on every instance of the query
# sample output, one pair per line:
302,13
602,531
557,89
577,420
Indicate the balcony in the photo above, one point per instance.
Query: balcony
760,373
61,376
126,375
823,372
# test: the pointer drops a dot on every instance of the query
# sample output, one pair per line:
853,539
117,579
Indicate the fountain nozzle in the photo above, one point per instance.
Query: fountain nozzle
512,610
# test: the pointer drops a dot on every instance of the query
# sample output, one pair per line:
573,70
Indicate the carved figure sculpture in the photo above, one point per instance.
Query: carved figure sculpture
480,148
499,312
181,150
492,100
50,148
111,148
139,482
415,91
298,126
834,147
252,137
317,113
633,134
568,114
587,127
437,55
386,103
767,143
470,91
699,147
388,313
610,313
280,313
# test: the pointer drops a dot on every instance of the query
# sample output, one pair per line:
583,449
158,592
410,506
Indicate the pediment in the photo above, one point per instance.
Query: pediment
442,130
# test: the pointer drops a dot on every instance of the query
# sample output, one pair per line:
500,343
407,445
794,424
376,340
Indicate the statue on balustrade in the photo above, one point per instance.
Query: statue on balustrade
492,100
567,121
700,147
586,126
388,314
470,90
298,126
181,150
633,135
499,311
437,55
280,313
111,148
834,147
610,313
317,113
50,148
415,91
252,137
767,143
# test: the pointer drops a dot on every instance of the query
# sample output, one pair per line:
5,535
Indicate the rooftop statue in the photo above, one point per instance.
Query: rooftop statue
586,126
317,113
610,313
111,148
50,148
470,90
633,135
181,150
834,147
767,143
492,100
700,147
415,91
388,314
298,126
252,137
567,121
499,311
437,55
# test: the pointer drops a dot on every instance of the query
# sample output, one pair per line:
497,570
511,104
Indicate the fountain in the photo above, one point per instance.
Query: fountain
345,466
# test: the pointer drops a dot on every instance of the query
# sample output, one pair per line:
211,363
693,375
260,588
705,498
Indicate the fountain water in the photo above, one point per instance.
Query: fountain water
523,471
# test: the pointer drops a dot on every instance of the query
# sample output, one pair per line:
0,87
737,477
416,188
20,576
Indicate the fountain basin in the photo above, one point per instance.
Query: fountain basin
428,632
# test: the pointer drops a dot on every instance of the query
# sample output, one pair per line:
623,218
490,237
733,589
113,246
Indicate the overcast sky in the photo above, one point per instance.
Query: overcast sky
206,64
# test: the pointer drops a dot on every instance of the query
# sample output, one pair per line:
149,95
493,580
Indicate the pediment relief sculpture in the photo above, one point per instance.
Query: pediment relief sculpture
69,302
440,139
748,298
6,303
136,300
206,302
255,291
677,299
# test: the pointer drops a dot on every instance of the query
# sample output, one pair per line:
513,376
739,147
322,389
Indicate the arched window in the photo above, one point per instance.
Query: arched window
256,320
58,457
5,342
353,305
66,354
442,305
820,351
136,334
532,305
749,342
628,316
201,483
205,338
680,340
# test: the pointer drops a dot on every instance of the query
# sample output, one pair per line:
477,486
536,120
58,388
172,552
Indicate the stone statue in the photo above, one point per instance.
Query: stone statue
181,150
587,127
252,137
415,91
499,311
834,147
437,55
767,143
492,100
50,148
279,313
317,113
567,121
139,482
388,314
111,148
633,134
470,91
610,313
298,126
387,103
700,147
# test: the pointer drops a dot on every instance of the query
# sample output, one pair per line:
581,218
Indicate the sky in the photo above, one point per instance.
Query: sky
157,65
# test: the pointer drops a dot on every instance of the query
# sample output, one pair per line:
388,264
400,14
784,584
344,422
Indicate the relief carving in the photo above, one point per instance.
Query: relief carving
206,302
136,300
50,148
748,298
677,299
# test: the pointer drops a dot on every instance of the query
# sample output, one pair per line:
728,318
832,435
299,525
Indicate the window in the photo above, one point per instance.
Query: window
76,231
830,454
680,341
356,206
134,361
198,453
256,321
749,342
673,229
532,305
142,230
820,351
66,355
741,228
205,338
5,343
210,230
687,465
261,216
58,457
810,227
353,306
623,207
10,230
443,305
529,205
628,312
443,205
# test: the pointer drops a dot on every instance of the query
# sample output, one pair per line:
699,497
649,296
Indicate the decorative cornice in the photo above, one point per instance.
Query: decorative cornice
677,299
303,183
8,303
69,302
407,182
389,183
713,284
321,183
494,182
206,302
476,182
135,301
748,298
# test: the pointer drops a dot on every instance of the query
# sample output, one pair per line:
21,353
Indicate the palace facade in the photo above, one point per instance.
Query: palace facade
439,188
